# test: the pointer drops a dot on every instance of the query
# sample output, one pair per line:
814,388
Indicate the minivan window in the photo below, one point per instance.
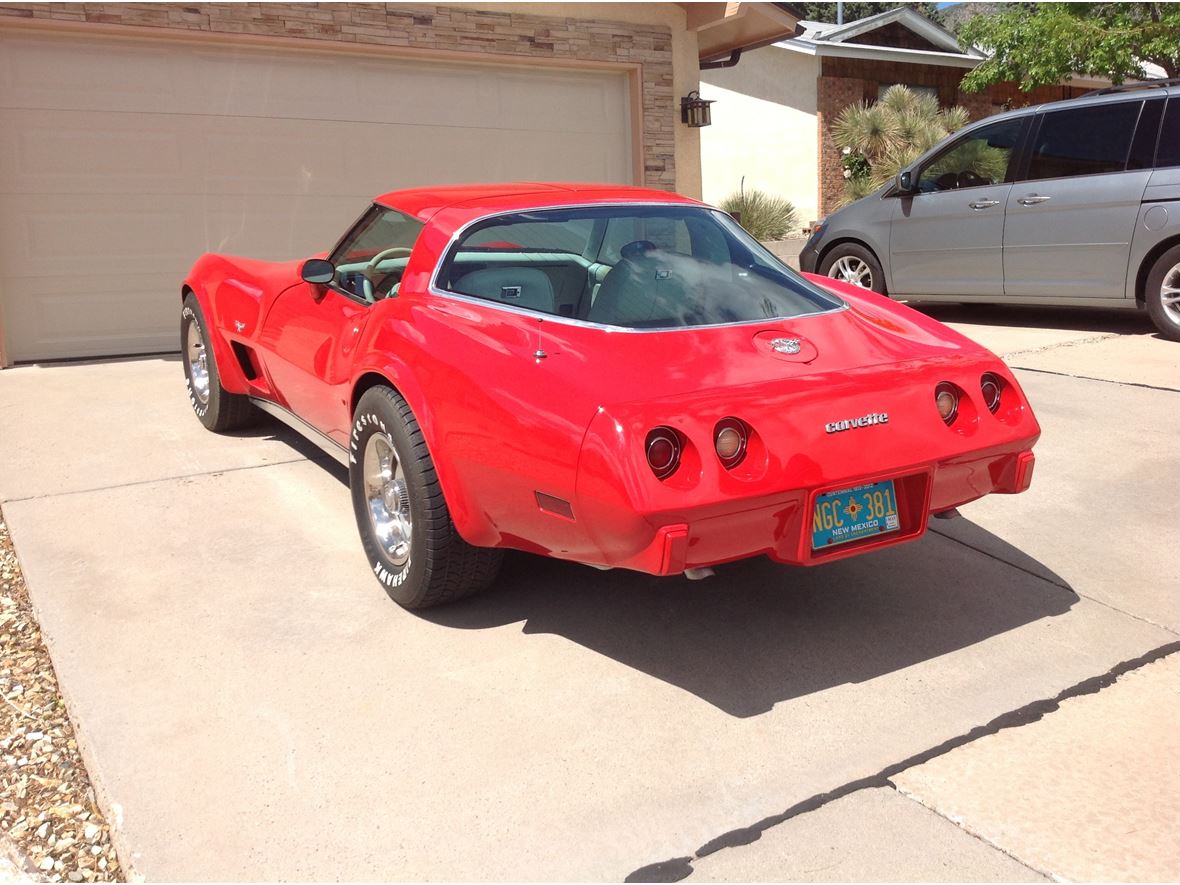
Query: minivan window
1083,141
1143,147
1168,153
978,159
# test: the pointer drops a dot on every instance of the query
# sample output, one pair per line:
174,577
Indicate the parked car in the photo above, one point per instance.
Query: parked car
615,376
1074,203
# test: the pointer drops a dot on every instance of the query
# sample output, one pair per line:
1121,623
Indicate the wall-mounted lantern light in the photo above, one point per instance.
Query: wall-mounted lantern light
694,110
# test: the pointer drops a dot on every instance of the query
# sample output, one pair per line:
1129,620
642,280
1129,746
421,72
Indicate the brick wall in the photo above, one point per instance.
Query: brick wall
484,32
832,96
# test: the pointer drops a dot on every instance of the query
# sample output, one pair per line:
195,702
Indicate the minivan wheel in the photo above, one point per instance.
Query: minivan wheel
854,264
1163,294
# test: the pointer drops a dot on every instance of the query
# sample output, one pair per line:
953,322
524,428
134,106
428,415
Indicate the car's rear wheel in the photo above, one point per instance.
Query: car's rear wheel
854,264
1163,294
214,406
405,526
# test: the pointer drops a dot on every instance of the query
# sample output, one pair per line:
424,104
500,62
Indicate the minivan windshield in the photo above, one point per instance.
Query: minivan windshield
633,266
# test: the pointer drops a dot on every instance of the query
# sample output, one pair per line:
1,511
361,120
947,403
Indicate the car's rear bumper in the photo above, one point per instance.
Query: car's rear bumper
779,526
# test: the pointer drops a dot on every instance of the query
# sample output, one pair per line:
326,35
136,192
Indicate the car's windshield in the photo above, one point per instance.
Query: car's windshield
633,266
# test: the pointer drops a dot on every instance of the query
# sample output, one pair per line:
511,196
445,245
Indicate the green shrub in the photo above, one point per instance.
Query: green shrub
879,140
764,217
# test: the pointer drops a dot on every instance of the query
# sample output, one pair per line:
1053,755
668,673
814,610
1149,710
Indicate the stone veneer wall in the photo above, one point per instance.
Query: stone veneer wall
482,32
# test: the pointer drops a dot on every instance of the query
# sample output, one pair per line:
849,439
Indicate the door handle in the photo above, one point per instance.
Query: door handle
983,204
1032,200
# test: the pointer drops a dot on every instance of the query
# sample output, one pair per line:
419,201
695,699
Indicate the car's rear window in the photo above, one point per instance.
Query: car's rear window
633,266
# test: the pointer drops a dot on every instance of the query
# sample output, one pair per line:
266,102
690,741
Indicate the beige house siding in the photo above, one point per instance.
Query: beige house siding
764,128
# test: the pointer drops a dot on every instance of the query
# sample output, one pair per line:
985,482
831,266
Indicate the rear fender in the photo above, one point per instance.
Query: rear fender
386,367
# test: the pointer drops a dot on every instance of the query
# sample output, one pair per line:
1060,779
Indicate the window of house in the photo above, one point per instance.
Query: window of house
1083,141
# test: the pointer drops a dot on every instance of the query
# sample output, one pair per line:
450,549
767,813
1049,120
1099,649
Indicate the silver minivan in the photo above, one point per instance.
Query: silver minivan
1074,203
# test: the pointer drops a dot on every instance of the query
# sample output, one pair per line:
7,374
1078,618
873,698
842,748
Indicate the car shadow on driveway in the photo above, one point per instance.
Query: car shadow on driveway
758,633
1080,319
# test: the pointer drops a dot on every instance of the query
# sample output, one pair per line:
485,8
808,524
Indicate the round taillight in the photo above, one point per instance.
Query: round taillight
991,386
729,439
663,452
946,397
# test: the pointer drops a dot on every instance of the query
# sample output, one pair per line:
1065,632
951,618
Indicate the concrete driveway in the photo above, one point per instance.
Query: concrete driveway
252,706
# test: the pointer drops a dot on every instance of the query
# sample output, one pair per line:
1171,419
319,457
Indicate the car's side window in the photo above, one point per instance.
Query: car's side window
978,159
371,258
1168,152
1083,141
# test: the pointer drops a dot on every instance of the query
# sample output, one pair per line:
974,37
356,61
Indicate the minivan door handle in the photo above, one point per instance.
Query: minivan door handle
1032,200
983,204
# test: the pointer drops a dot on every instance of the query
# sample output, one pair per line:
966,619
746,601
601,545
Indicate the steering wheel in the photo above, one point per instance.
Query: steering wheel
969,178
381,256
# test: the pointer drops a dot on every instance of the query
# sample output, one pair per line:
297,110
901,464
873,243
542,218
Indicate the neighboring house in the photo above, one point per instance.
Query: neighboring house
774,109
133,137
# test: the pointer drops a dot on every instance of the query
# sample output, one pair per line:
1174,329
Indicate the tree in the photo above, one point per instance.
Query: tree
826,12
1049,42
881,139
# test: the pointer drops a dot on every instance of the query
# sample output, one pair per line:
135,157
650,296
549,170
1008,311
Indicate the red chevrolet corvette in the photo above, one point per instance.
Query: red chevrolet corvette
616,376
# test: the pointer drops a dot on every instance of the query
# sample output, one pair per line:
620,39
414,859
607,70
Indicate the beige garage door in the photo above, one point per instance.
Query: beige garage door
122,161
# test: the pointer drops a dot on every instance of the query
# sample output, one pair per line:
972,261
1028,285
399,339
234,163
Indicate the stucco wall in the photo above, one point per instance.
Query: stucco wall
764,128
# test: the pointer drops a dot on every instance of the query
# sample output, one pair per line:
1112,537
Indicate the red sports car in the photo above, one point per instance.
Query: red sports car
615,376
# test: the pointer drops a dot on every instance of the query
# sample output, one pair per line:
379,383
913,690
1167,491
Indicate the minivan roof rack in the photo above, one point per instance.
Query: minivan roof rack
1130,87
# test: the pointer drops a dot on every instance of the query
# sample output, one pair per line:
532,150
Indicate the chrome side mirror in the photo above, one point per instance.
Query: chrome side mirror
318,271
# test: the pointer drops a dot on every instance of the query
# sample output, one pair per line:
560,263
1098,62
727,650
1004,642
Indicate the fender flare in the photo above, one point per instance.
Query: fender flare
229,372
469,519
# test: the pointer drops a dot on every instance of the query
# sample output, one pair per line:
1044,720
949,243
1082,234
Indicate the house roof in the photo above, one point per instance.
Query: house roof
848,40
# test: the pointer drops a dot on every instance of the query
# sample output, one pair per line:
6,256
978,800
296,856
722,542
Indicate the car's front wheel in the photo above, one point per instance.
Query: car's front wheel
1163,294
854,264
214,406
405,526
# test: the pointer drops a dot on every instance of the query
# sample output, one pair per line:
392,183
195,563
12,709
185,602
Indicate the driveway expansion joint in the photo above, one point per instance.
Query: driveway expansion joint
145,482
1092,378
678,868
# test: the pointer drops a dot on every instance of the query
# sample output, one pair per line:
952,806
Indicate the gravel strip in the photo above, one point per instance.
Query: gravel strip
51,829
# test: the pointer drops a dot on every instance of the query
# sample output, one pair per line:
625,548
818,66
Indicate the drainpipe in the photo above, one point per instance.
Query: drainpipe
839,12
734,58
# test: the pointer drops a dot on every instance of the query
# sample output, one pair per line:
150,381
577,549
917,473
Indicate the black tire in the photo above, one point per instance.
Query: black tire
1165,270
440,566
217,409
855,252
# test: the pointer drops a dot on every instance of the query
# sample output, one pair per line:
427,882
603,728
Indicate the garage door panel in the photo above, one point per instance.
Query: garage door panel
122,161
96,237
67,317
136,77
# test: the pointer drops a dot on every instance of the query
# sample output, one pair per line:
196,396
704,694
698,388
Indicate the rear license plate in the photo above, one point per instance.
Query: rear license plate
851,514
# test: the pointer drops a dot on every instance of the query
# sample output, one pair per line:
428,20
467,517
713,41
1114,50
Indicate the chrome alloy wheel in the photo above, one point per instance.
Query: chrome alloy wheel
198,361
1170,294
851,269
388,499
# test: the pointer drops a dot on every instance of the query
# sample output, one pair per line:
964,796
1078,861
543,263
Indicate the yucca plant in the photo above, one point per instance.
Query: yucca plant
763,216
879,140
